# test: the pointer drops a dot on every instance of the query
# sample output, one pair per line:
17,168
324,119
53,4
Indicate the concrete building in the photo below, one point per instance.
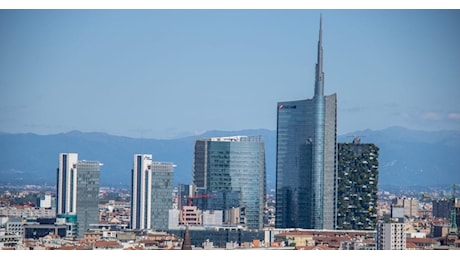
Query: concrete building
66,188
306,158
410,206
44,201
190,216
391,236
141,192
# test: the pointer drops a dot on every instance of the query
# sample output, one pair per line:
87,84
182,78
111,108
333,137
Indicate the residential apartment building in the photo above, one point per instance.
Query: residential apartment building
391,236
358,170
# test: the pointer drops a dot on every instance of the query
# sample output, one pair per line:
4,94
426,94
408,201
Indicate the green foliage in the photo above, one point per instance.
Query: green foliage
357,186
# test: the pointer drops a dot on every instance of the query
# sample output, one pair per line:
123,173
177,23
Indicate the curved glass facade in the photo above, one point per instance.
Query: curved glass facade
306,158
306,164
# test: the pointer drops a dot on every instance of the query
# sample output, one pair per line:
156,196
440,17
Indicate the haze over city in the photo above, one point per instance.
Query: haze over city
271,104
169,73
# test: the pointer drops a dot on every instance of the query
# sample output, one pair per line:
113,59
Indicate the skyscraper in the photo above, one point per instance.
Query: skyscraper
78,190
233,169
306,158
162,190
66,188
87,194
151,193
141,192
358,171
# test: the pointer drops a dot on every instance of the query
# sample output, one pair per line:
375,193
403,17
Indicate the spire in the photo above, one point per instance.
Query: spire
319,77
186,243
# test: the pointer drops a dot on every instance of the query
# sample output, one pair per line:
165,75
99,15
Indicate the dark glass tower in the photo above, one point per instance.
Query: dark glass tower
87,194
232,170
306,158
162,188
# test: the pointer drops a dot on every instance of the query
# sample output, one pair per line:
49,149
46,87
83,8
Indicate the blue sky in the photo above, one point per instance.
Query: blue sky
169,73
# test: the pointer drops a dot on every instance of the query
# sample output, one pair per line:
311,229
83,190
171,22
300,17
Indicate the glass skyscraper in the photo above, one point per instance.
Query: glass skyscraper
232,169
306,158
162,190
78,190
87,194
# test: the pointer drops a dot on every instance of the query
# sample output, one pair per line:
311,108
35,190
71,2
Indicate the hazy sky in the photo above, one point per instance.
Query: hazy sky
169,73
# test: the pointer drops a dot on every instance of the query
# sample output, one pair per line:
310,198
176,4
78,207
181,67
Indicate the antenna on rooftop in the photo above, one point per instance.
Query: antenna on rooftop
356,138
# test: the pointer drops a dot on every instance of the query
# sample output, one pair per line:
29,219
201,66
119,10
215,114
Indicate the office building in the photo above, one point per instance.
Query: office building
306,158
229,172
78,191
162,189
151,193
66,188
410,206
141,192
87,194
441,208
358,170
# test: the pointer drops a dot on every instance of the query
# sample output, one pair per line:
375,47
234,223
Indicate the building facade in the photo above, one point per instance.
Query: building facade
358,171
391,236
66,184
306,158
78,190
141,192
441,208
151,193
87,194
232,170
162,190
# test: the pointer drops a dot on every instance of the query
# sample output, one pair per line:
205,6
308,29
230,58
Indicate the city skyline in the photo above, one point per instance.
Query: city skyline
183,72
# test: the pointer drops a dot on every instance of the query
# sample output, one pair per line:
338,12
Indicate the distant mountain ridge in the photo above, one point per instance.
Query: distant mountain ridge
407,157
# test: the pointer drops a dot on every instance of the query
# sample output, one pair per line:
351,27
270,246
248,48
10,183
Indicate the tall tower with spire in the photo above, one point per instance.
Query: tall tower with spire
306,157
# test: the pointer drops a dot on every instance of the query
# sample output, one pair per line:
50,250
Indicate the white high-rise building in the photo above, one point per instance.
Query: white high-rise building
141,192
391,236
67,184
77,196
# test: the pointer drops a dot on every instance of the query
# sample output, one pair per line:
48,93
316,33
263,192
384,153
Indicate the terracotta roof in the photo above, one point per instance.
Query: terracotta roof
66,248
411,245
421,240
107,244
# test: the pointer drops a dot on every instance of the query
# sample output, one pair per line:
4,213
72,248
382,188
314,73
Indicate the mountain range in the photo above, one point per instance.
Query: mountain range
406,157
